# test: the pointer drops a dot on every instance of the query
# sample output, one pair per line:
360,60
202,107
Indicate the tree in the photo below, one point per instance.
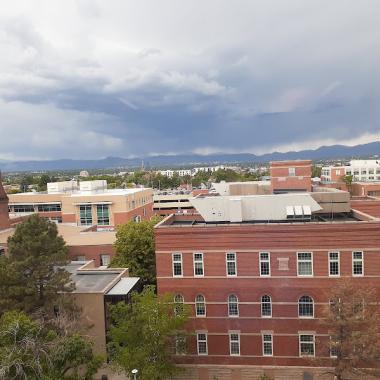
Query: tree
32,274
135,249
353,322
347,179
143,334
30,350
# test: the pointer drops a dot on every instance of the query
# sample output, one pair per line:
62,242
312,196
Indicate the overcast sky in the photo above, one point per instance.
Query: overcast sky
89,79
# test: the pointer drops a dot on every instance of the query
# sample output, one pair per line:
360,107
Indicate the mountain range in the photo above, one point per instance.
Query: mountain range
322,153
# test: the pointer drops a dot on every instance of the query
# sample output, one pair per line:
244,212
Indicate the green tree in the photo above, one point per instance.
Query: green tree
30,350
135,249
347,179
316,171
352,320
32,273
43,181
143,334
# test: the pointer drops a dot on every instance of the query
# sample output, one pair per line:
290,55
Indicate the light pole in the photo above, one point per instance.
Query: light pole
134,372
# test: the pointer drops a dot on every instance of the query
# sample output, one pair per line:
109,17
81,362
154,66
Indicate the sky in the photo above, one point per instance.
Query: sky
96,78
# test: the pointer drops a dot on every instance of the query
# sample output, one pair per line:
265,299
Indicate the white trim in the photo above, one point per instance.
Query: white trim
362,261
312,266
177,275
228,306
330,261
261,306
235,261
264,261
299,343
271,342
230,341
306,316
198,341
198,261
204,303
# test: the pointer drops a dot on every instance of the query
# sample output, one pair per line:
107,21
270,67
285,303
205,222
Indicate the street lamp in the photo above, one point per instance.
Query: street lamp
134,372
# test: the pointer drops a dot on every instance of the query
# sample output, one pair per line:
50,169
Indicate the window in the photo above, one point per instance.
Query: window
334,264
105,260
266,306
305,264
267,344
306,307
49,207
23,208
307,345
264,264
233,306
180,344
231,263
337,172
333,348
177,264
198,264
200,306
81,258
178,304
202,343
234,343
357,263
102,213
85,215
137,219
292,172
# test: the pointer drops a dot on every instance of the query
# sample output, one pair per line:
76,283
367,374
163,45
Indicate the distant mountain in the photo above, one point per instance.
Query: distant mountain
322,153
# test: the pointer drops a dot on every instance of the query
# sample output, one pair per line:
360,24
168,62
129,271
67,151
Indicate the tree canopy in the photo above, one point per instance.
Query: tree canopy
32,277
353,323
135,249
143,334
30,350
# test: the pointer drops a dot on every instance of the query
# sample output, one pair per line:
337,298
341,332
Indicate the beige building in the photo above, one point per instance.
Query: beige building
95,289
87,203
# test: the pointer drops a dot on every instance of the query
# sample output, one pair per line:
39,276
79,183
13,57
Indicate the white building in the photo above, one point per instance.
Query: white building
361,170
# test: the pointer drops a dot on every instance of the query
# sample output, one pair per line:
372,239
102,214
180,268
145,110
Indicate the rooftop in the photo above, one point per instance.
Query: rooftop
89,279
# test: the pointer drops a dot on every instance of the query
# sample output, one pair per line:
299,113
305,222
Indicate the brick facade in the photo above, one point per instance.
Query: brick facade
284,285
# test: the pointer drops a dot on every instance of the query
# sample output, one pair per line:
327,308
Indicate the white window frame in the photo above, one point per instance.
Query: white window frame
205,307
333,356
203,340
264,261
268,333
237,306
261,306
356,260
174,261
178,303
180,341
298,306
230,333
231,261
312,266
198,261
292,171
299,344
334,260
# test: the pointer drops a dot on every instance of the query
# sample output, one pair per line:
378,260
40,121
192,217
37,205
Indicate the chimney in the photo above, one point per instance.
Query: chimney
4,215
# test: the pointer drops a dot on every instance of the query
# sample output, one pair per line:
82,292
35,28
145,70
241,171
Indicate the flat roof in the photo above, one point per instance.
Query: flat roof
91,280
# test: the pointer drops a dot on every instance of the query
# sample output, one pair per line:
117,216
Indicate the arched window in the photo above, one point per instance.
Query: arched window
233,306
306,307
178,304
266,306
200,305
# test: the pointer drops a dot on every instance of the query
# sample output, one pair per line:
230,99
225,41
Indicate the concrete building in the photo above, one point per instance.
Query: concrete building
256,271
85,204
361,170
166,204
95,289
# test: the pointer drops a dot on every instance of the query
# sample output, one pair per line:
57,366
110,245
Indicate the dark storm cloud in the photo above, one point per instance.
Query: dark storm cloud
143,78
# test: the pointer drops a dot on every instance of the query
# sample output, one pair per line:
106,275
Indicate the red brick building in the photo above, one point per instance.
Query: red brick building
4,217
257,290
